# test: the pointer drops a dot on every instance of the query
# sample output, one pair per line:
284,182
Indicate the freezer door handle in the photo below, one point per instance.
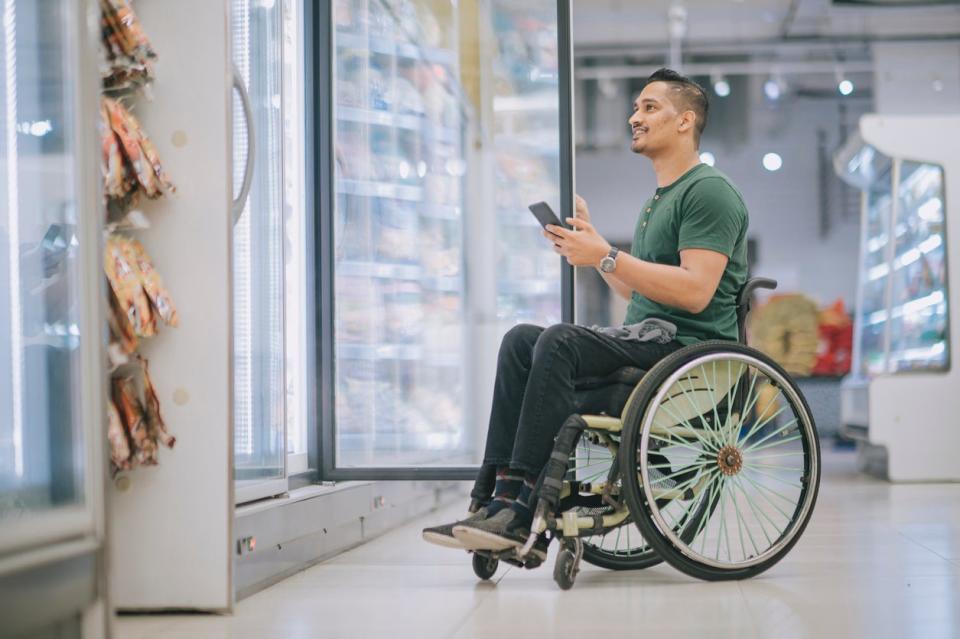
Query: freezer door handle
241,201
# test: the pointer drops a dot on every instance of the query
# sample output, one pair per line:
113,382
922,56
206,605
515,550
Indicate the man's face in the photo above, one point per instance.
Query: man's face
655,120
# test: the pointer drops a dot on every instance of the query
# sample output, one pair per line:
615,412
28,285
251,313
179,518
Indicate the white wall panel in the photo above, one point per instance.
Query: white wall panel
171,529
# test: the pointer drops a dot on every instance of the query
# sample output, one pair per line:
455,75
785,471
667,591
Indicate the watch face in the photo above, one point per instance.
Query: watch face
607,264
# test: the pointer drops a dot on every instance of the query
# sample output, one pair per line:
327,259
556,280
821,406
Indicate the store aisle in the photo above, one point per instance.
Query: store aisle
878,560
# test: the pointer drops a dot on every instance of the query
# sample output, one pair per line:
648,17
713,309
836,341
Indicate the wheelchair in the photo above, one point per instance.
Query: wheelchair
713,466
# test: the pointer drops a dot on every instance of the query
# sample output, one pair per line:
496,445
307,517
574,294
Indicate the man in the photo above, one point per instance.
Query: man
686,265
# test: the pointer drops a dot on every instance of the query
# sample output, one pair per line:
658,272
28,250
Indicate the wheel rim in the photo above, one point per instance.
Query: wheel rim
591,463
751,478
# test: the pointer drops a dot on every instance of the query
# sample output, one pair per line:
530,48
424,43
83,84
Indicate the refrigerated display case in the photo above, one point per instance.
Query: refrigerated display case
447,123
902,334
270,430
51,348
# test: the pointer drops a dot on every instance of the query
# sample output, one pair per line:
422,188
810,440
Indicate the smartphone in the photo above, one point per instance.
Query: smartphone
545,215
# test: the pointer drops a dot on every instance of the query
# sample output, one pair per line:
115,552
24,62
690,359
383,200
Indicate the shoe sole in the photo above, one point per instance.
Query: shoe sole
476,539
442,540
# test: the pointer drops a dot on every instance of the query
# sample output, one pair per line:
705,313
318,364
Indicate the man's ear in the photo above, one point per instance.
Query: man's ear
687,121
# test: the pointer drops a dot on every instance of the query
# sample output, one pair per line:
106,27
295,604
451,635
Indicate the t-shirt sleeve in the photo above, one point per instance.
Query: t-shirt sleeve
711,217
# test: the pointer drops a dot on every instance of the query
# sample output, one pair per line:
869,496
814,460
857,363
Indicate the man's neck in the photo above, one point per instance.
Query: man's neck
670,167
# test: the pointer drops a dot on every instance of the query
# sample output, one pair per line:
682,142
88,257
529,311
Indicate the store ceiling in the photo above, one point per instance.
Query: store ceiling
621,24
813,43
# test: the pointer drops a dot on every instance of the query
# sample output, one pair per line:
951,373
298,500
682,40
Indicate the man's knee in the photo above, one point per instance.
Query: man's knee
520,336
556,334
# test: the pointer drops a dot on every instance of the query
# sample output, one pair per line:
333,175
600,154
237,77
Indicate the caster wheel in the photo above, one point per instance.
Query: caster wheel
484,567
565,569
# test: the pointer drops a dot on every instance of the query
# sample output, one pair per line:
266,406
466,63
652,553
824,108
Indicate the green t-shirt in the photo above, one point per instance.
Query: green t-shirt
701,209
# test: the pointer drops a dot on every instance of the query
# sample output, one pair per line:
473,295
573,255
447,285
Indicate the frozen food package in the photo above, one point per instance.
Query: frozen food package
151,281
121,331
150,154
128,51
119,447
128,405
126,283
130,145
158,428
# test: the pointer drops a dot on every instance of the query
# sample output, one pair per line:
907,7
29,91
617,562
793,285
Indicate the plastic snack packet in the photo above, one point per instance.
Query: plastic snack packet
158,429
120,329
125,398
126,284
119,448
152,283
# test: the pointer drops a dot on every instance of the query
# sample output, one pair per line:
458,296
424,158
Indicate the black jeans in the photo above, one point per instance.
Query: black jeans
534,389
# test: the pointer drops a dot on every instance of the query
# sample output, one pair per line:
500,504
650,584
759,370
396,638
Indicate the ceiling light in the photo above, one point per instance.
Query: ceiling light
771,89
721,87
707,158
845,87
772,162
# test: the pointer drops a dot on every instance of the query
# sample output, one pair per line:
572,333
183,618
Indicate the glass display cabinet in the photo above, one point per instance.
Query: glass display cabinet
903,349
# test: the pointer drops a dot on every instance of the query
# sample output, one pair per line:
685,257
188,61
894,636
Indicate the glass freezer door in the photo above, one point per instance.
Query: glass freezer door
50,349
448,120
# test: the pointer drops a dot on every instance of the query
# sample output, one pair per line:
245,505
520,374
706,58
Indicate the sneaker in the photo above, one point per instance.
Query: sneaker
443,535
501,532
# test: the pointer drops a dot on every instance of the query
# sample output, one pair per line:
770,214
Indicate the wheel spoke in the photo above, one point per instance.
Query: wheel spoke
763,422
798,486
776,527
739,484
786,440
752,464
741,524
762,490
708,515
685,469
672,443
752,400
705,443
696,411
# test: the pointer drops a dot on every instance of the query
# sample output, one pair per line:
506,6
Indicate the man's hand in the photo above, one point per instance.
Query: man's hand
582,246
582,211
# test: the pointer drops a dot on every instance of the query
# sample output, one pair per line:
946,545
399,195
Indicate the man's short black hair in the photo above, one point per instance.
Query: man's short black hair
687,96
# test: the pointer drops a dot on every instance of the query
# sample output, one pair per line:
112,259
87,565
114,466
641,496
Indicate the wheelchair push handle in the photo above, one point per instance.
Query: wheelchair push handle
752,285
743,302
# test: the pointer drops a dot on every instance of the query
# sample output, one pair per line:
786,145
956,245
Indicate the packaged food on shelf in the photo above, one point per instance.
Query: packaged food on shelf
129,55
139,291
125,282
116,436
130,162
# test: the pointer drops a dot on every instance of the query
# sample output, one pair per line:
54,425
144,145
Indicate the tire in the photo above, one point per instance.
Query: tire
484,567
736,468
565,569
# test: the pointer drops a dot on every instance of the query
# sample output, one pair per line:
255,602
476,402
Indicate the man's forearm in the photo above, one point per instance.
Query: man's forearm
619,287
671,285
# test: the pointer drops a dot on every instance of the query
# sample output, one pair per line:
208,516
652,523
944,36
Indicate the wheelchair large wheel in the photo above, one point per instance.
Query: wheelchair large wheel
621,548
710,443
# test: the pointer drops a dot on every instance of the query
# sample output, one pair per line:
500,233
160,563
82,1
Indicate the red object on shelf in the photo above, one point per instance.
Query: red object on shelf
835,344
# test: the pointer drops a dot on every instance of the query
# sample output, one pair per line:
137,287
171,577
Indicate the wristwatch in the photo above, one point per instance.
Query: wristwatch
609,262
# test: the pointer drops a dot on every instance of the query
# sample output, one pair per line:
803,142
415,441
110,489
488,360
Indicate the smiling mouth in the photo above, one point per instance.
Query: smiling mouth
638,132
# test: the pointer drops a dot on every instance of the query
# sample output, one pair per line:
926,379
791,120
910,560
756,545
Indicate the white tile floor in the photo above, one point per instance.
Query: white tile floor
877,560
